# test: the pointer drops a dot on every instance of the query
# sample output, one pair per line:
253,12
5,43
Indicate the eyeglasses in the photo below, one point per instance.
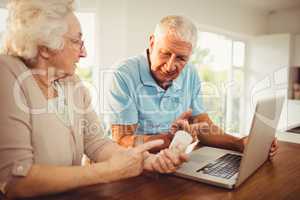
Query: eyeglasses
78,42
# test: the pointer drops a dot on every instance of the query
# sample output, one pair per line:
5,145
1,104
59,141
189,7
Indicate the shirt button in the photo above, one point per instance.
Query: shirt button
20,169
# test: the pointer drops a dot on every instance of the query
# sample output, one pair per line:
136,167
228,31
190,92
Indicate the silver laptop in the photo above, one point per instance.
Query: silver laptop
229,169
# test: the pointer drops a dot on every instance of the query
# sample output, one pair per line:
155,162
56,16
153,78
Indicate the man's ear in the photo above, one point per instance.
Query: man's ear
151,43
44,52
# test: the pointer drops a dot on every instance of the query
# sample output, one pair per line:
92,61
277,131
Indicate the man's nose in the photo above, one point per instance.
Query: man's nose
171,64
83,53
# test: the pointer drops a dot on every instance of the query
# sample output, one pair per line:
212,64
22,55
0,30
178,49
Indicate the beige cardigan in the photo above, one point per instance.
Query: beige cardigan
29,134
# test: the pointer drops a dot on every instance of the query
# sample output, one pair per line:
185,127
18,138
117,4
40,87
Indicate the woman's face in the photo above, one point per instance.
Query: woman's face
64,60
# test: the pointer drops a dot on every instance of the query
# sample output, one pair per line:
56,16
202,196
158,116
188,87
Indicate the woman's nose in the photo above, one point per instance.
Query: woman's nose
83,52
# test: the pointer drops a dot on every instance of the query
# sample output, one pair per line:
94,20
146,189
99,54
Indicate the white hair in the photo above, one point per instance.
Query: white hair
181,26
33,23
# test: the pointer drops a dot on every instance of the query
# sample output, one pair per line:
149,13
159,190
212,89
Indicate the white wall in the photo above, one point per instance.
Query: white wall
111,31
3,3
125,25
268,60
285,21
268,63
214,14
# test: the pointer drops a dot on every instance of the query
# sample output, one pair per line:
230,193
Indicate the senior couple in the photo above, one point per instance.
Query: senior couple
46,119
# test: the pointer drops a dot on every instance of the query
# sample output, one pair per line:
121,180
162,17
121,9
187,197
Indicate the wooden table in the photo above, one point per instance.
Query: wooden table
279,179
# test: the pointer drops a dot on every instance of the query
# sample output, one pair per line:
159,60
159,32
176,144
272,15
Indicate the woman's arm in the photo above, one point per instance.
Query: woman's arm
52,179
43,180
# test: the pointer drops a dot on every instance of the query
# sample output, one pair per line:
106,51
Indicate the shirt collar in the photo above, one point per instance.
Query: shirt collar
147,79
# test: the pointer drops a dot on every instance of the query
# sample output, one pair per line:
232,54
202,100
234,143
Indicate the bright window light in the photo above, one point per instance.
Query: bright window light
87,21
220,61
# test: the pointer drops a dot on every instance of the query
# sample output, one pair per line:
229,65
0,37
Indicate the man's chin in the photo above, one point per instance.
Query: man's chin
171,78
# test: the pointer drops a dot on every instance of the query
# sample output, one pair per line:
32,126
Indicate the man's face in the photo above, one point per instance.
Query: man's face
168,56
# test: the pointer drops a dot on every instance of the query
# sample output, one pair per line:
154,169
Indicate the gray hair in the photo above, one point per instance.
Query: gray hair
181,26
32,23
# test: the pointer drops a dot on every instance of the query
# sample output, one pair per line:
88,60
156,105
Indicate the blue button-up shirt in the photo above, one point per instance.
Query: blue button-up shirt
135,98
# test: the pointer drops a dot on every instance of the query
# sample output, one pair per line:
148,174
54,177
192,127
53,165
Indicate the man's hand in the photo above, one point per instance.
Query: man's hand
273,150
167,161
182,122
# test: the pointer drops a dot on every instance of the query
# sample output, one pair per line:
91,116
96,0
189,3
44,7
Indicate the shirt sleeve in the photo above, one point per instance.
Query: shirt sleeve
197,98
16,152
120,101
96,142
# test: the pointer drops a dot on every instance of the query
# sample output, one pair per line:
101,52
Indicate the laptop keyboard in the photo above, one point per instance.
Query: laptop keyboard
224,167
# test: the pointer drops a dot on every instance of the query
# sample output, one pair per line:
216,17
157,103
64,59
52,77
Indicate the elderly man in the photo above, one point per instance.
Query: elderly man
156,93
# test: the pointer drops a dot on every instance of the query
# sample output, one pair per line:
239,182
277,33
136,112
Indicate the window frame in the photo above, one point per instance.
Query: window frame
232,69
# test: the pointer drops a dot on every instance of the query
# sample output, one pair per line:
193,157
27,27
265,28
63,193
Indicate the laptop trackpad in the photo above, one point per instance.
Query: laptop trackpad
199,158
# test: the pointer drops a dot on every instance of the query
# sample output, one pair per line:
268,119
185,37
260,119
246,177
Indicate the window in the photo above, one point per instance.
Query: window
86,65
220,62
86,68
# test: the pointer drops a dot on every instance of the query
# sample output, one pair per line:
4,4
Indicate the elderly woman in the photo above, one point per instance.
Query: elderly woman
47,123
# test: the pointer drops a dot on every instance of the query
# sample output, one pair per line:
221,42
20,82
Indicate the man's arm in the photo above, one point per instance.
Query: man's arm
210,134
125,135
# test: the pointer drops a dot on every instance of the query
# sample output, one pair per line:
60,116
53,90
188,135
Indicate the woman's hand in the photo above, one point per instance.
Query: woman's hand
166,161
130,162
